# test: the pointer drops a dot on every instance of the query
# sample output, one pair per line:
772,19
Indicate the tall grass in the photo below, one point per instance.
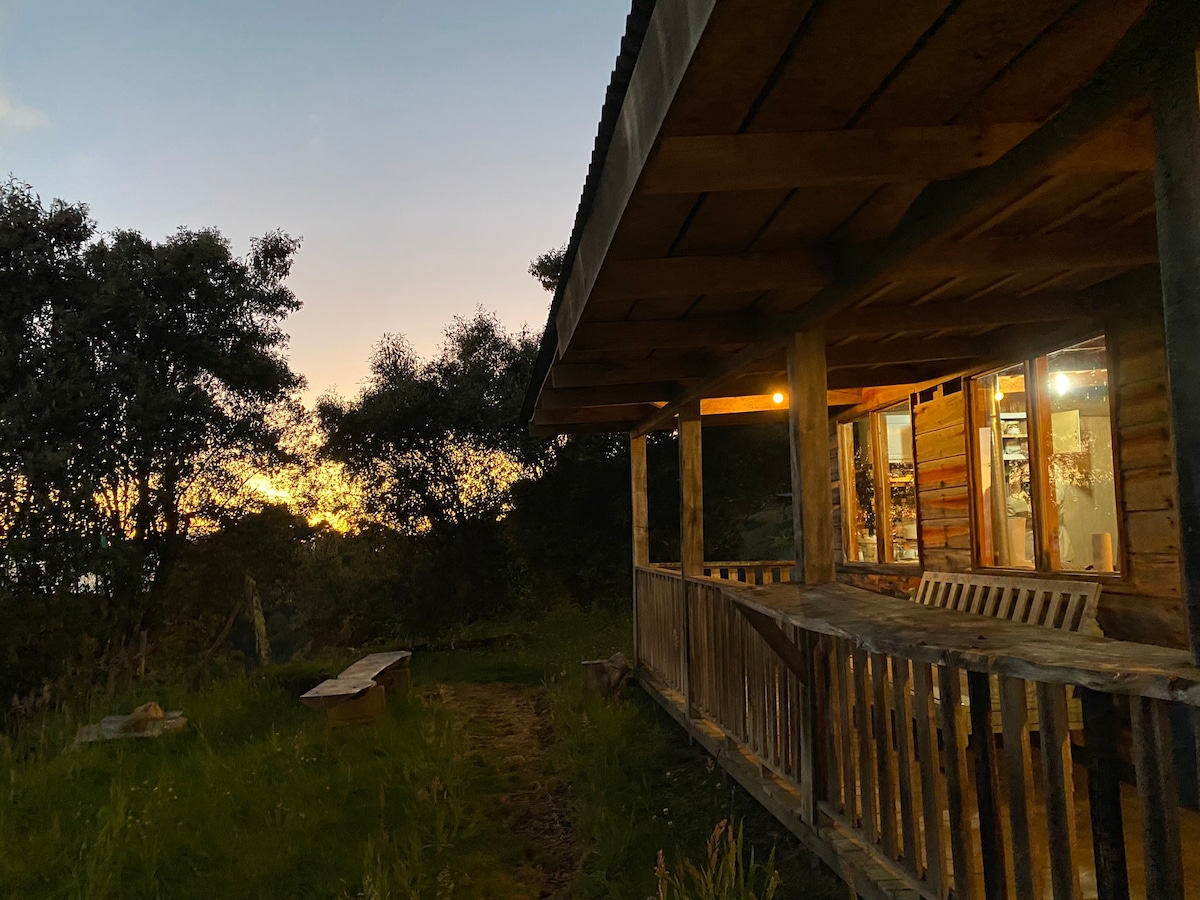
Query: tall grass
259,799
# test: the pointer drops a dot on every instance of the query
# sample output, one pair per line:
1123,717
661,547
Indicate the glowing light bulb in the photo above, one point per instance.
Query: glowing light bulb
1062,383
999,395
777,397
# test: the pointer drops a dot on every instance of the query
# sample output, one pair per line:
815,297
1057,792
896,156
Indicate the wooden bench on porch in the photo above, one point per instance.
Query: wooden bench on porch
359,694
1062,605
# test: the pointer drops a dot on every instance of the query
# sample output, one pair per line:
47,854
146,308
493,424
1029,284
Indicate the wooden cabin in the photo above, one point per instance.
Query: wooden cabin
955,246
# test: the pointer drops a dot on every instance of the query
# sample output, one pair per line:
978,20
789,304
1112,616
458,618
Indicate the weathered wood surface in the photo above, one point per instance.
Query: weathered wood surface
940,637
1176,111
812,497
354,681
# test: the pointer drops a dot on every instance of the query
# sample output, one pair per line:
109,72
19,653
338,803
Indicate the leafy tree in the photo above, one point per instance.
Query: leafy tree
547,268
437,442
134,378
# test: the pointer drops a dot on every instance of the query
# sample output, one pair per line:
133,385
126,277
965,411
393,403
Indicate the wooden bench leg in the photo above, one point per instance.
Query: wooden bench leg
362,710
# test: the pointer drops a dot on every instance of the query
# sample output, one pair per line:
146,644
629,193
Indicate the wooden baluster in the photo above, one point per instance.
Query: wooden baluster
908,776
811,716
1060,790
1101,738
1158,792
862,720
846,712
955,761
833,721
1022,792
933,794
987,786
885,759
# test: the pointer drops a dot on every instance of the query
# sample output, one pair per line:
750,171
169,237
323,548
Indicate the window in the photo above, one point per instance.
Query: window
1045,493
879,501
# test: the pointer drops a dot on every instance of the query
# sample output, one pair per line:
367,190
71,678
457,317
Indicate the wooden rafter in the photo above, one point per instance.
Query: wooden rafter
744,272
745,162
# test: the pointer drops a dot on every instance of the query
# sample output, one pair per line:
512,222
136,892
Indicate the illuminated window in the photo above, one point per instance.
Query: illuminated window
1043,454
879,503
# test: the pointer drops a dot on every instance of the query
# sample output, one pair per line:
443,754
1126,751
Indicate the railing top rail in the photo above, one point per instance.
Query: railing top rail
897,627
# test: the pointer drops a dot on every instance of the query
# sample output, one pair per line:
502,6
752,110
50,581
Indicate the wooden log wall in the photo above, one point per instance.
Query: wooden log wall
1146,604
943,497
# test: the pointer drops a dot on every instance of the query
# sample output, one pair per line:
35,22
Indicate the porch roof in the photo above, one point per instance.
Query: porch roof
942,185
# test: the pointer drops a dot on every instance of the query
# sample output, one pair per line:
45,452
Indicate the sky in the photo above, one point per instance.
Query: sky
425,151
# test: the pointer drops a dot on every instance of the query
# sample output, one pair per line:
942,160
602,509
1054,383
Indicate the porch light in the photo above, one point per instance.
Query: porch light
1062,383
777,398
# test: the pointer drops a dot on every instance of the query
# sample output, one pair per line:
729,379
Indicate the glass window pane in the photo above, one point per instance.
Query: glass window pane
1003,489
895,431
1076,432
859,506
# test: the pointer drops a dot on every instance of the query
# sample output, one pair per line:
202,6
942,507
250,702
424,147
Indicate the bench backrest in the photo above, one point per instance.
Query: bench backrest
1066,605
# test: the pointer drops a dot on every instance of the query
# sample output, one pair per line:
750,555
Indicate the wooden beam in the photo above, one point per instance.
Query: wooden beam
1176,111
902,352
615,415
640,515
750,162
666,334
671,38
691,493
1121,80
986,312
808,434
684,276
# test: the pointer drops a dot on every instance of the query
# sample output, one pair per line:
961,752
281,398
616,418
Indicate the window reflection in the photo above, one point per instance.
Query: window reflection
879,505
1006,536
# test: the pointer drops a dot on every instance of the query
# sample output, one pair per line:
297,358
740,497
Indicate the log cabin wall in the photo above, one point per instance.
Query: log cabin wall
1144,603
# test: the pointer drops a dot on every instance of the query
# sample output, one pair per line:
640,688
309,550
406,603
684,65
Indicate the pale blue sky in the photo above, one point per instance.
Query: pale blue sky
426,151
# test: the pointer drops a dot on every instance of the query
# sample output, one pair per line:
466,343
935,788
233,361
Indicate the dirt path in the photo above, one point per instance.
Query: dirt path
508,727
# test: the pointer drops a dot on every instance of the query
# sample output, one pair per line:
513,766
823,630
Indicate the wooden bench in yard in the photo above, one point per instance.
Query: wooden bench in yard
359,695
1064,605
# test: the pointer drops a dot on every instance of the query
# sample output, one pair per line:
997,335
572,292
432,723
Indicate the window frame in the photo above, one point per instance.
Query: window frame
1035,368
877,430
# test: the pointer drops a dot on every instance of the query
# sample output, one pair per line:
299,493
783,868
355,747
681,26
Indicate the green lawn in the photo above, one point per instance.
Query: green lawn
495,779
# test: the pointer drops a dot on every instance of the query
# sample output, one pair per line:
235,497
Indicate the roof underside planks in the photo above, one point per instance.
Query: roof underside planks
772,159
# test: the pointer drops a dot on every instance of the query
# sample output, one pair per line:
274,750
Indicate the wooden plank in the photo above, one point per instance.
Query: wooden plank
1176,112
885,758
906,765
933,793
1060,801
962,844
691,526
1158,790
812,499
753,162
641,527
1102,738
846,720
867,776
987,787
1021,797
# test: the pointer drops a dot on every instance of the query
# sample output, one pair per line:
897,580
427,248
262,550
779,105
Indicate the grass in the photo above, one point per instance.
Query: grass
260,799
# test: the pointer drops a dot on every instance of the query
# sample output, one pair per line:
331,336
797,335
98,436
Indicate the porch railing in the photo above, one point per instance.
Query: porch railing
867,718
775,571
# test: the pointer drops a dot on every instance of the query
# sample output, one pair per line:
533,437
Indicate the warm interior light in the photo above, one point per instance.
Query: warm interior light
777,397
1062,383
999,395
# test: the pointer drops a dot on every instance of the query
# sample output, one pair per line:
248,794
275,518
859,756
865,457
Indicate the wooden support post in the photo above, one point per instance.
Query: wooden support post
1176,111
808,432
1101,740
641,524
691,526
